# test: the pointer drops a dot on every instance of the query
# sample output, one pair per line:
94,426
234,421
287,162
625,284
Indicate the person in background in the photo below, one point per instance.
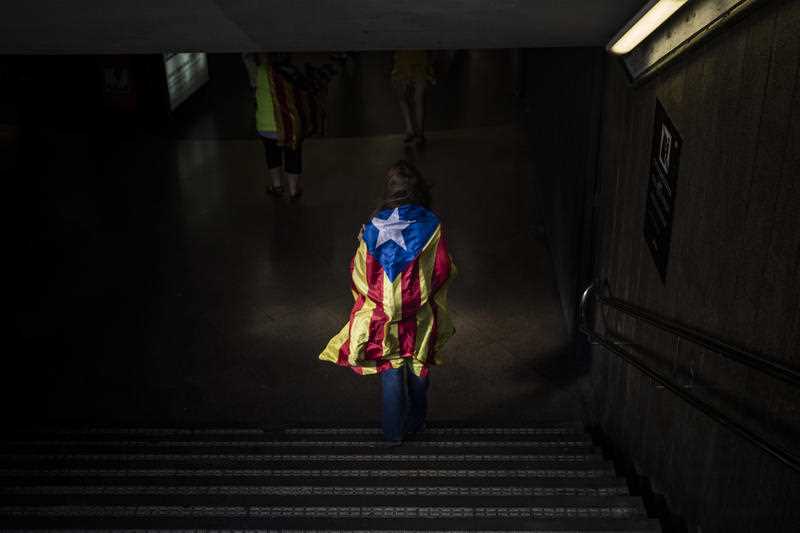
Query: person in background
278,121
399,323
411,72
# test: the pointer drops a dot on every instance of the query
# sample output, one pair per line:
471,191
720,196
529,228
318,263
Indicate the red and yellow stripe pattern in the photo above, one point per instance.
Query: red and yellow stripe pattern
394,321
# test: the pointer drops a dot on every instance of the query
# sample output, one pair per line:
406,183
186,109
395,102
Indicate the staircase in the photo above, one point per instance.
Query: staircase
545,477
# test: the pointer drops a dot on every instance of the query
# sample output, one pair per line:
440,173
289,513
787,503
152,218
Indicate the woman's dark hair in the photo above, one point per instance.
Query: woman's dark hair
404,185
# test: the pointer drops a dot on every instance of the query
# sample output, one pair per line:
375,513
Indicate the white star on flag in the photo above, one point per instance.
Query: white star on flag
391,229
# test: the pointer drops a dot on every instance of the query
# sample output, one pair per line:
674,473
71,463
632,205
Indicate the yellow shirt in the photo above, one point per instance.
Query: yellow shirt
412,65
265,109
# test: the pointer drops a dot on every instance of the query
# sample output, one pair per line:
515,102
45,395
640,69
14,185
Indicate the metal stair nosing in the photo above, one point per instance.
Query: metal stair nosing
377,507
277,448
24,494
450,525
544,483
384,458
321,471
622,505
278,439
261,432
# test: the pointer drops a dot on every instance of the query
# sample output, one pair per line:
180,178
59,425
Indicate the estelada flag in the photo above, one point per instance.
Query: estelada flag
400,274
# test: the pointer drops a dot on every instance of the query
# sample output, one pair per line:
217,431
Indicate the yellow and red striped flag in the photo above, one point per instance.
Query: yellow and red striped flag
400,275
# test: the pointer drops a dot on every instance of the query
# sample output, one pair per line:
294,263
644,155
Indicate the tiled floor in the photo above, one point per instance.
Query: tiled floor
263,284
208,302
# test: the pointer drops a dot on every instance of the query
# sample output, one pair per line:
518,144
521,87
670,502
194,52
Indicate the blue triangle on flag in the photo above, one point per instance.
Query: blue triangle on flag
409,225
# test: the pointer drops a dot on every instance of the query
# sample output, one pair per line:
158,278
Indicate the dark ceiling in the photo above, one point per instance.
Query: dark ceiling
107,26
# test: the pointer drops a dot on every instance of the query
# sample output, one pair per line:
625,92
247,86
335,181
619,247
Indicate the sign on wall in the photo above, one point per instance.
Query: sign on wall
120,92
186,73
664,158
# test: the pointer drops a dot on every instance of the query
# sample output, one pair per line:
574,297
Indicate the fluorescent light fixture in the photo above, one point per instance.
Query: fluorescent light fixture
650,17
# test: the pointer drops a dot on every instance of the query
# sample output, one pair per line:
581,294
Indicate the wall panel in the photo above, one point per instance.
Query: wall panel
734,270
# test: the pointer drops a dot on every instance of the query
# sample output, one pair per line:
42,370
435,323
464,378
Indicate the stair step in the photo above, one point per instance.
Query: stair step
331,525
570,429
308,446
377,467
543,428
381,455
381,507
317,477
97,431
374,439
378,498
577,470
279,440
611,487
376,464
545,483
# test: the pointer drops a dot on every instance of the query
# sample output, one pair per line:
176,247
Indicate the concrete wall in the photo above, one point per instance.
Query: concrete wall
734,271
562,97
134,294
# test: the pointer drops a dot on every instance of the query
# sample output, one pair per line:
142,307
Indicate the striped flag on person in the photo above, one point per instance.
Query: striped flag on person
400,275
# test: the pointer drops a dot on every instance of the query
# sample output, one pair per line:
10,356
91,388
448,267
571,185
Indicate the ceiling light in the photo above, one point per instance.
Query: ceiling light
650,17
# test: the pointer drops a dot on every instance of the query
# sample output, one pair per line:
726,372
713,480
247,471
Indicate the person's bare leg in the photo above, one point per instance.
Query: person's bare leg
404,107
293,159
275,176
294,183
419,110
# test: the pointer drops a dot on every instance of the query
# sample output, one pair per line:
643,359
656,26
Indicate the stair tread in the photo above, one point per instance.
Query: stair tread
420,507
538,476
298,467
290,460
252,481
374,500
536,437
612,487
443,430
249,431
277,446
451,525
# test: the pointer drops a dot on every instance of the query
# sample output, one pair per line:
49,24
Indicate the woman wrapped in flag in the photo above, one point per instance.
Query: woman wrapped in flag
399,322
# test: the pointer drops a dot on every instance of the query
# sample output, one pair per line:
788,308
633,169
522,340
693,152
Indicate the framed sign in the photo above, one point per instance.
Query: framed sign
661,188
120,88
116,80
186,72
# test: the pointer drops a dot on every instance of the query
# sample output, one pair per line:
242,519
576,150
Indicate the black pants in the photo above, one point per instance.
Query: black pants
292,159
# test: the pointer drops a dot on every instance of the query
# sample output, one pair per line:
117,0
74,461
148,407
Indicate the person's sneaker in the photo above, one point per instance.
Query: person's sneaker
293,198
276,191
391,443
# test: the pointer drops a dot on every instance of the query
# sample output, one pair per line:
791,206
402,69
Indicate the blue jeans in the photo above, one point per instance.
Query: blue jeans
401,416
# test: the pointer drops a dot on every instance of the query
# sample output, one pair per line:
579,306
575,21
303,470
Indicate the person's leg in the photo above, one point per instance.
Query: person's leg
417,399
402,93
419,109
272,153
393,401
293,164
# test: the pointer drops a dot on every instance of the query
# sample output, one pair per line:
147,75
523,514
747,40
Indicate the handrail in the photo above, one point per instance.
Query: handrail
753,360
785,456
